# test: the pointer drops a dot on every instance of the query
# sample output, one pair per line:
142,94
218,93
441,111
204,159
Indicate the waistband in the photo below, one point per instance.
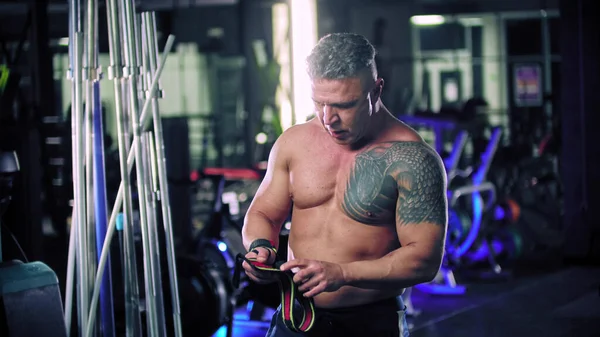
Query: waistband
388,304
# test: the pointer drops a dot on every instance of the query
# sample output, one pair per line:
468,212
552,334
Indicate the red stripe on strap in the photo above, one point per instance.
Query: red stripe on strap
289,292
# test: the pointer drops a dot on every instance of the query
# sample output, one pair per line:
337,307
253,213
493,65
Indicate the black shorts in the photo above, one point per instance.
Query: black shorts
382,319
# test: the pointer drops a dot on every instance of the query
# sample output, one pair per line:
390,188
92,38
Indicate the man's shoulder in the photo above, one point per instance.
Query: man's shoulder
408,150
404,133
408,160
299,133
294,137
405,149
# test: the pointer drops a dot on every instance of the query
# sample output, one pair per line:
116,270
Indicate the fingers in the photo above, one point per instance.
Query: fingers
309,281
316,290
303,275
262,255
309,284
297,263
261,277
313,277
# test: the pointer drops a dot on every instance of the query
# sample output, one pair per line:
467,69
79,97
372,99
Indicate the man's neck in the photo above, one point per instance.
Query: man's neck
379,123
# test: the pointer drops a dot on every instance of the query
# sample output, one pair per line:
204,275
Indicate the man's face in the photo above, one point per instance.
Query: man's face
344,107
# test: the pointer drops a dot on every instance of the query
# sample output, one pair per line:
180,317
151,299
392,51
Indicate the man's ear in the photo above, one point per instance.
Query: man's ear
378,88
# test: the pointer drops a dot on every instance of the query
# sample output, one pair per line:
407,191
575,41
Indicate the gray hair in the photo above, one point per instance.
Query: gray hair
341,55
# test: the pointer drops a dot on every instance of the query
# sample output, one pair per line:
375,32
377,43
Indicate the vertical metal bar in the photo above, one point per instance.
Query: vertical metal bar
152,163
131,62
76,57
90,75
74,74
120,193
106,295
130,279
79,187
153,240
151,195
150,34
70,275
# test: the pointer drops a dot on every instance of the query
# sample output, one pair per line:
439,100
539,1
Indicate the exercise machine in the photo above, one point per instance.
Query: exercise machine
468,206
451,162
30,299
220,239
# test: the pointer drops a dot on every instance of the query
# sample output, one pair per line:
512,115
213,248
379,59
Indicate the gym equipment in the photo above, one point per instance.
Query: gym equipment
523,220
106,293
451,162
76,74
507,210
207,297
221,192
479,206
146,150
152,69
9,166
436,124
459,224
473,191
506,243
465,231
220,239
531,201
406,298
205,284
116,73
30,300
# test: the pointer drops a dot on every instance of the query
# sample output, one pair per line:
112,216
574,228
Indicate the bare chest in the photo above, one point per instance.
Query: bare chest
359,187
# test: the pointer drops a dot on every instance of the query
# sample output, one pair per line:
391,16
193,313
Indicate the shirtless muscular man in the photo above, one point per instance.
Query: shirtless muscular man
367,195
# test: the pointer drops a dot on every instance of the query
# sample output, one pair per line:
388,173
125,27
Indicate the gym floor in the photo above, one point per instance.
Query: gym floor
555,302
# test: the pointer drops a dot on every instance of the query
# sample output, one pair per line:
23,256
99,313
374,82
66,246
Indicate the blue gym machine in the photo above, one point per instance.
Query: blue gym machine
480,194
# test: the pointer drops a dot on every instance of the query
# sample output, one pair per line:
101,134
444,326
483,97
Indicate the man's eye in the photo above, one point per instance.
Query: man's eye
345,106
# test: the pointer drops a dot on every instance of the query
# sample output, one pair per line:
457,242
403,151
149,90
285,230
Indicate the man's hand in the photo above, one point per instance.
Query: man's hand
262,255
315,277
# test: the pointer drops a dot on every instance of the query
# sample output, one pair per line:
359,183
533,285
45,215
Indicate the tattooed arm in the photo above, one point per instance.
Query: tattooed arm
421,221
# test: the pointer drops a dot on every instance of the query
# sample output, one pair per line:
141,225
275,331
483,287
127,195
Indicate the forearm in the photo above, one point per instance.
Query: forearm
402,268
259,226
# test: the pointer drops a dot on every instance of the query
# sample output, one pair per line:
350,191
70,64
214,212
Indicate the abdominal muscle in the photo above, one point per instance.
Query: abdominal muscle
325,234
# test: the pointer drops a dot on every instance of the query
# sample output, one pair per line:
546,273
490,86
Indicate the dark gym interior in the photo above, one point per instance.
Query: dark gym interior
504,90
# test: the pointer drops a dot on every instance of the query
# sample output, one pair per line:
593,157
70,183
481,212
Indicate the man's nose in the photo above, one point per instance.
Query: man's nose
330,116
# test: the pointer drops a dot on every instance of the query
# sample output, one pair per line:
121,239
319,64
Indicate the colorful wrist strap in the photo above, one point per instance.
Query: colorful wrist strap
289,294
262,243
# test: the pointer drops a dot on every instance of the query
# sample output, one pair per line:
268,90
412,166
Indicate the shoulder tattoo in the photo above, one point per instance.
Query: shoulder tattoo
405,177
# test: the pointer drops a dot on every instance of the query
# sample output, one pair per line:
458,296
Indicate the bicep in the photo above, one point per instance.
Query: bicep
422,206
272,199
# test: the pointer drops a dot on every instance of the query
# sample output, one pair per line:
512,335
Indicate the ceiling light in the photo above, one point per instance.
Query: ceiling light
427,20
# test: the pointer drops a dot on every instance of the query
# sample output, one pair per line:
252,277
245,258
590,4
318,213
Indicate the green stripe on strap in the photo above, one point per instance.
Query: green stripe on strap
289,294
